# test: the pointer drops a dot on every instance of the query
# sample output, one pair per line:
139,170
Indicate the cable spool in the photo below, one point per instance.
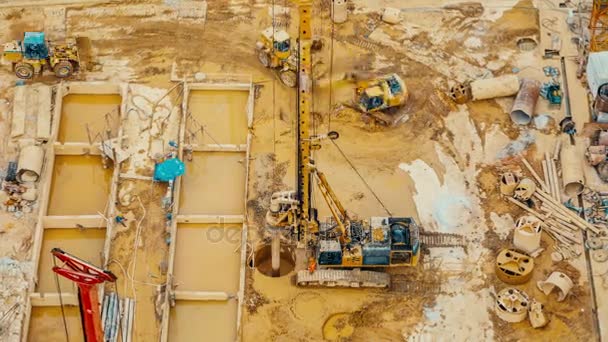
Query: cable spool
594,243
511,305
513,267
599,255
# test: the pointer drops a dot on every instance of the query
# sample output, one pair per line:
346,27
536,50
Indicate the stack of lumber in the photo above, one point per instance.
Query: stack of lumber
563,225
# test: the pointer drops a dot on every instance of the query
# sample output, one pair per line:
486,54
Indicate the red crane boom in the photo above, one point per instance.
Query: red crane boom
87,277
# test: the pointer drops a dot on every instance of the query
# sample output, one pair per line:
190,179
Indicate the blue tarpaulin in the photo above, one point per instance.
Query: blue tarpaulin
168,170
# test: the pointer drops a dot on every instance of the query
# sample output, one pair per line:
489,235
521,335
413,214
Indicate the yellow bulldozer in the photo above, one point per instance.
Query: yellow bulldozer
33,54
274,51
379,99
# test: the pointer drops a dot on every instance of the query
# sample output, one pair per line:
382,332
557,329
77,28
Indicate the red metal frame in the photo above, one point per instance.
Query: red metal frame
87,277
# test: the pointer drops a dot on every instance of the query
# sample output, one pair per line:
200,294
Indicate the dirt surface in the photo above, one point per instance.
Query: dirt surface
441,166
465,146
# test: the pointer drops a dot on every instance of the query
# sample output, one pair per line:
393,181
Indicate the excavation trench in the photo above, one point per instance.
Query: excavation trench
80,186
208,255
86,116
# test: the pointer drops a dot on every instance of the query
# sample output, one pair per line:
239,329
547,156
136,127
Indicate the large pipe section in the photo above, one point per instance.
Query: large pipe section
525,102
490,88
572,172
30,163
339,11
275,251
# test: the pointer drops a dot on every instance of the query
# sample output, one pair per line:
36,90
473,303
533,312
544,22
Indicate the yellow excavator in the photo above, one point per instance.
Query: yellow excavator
341,250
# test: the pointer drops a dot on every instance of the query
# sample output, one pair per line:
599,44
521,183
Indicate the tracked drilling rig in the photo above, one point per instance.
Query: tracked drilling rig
340,247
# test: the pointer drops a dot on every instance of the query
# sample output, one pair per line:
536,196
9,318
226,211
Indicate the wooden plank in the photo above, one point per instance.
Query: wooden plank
43,113
219,148
52,299
244,232
534,174
93,88
135,176
20,99
111,210
220,86
86,221
75,149
164,332
210,218
201,295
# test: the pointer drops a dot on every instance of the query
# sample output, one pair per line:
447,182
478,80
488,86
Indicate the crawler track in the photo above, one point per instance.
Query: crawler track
432,239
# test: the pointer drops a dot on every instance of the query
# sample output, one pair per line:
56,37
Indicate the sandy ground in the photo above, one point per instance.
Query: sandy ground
440,167
444,162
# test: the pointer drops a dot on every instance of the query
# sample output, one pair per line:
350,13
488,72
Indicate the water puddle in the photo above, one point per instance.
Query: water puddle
203,321
223,114
208,257
80,186
46,324
338,327
214,183
80,110
86,244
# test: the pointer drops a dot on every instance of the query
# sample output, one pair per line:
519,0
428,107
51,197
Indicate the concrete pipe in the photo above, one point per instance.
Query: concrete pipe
559,280
525,102
339,11
572,172
601,100
391,15
275,254
602,138
490,88
30,163
30,194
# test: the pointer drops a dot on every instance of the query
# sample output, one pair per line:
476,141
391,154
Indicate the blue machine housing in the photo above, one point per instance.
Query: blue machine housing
330,252
376,254
401,234
34,46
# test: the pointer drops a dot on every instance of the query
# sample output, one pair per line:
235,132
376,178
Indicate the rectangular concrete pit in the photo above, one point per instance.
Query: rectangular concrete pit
222,113
46,324
80,186
213,184
80,110
213,320
208,243
87,244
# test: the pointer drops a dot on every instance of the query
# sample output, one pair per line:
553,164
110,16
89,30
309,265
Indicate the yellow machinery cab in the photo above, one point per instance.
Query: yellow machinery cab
281,42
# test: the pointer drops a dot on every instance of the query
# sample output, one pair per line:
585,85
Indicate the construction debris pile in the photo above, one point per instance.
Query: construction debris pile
541,198
13,292
19,184
117,316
